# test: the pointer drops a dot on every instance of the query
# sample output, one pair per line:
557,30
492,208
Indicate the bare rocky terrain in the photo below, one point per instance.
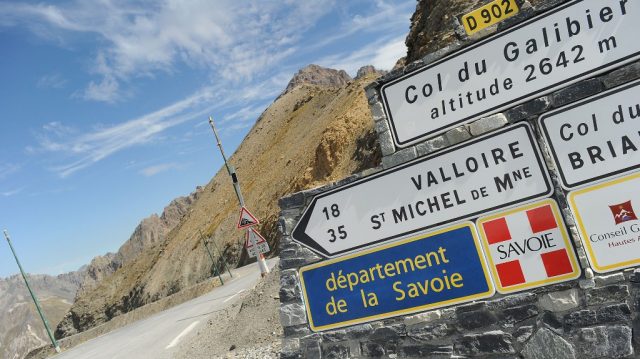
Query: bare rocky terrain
20,326
318,130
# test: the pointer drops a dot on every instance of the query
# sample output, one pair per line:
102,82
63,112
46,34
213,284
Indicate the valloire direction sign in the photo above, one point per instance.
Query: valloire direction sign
595,138
494,171
571,42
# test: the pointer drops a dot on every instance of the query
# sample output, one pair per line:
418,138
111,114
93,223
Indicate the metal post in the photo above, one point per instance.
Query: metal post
215,266
264,269
224,262
33,295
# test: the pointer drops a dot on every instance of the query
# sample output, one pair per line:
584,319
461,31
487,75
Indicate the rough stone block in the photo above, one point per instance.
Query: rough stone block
426,351
622,75
528,109
335,336
286,224
613,313
381,125
423,317
513,300
523,333
289,289
605,342
373,350
611,293
551,321
603,280
431,145
476,319
429,332
290,349
377,113
288,263
581,318
297,331
386,143
576,92
547,345
292,201
457,135
402,156
487,124
440,53
518,314
560,301
359,331
390,332
494,342
336,351
292,314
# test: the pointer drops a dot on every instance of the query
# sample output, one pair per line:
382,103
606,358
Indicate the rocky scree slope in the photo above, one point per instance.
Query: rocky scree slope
318,130
20,326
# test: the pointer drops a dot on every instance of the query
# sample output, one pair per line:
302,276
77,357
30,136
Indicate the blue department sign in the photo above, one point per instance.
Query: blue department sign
574,41
424,272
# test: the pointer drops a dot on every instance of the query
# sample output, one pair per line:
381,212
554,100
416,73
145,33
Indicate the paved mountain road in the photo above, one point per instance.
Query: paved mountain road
159,335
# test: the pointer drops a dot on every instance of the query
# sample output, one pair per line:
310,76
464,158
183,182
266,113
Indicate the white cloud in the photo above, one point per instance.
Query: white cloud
7,169
52,81
12,192
156,169
233,39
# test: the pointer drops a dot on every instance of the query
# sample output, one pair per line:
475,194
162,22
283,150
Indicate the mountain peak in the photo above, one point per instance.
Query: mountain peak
318,75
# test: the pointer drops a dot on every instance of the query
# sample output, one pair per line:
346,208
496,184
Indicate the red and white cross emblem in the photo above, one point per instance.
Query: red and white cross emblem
528,247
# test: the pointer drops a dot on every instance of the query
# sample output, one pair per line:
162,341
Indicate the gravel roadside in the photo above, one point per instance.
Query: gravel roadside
250,328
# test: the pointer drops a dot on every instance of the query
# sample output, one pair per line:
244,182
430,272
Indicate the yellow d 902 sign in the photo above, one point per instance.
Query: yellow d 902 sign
488,15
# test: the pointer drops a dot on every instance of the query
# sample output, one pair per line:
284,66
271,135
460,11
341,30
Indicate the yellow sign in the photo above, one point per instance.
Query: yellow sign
488,15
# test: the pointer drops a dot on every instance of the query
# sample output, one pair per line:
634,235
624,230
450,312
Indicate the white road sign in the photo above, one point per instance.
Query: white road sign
495,171
596,138
574,41
255,243
607,218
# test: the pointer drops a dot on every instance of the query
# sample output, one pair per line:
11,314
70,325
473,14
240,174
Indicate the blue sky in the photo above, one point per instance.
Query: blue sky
104,103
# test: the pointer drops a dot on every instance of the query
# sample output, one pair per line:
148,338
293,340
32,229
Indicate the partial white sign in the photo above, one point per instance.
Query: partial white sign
596,138
495,171
571,42
607,218
255,243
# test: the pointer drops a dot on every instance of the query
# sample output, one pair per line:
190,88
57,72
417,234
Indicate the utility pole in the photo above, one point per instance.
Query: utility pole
33,295
224,262
262,264
215,266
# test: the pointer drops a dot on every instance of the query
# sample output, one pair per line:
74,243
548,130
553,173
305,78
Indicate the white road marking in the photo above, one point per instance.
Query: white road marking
231,297
184,332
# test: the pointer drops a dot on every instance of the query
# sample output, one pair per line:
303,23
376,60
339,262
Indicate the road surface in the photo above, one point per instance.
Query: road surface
159,335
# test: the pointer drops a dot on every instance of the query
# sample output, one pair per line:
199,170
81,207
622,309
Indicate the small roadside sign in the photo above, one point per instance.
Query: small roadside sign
246,219
607,218
428,271
488,15
528,247
499,170
596,138
255,243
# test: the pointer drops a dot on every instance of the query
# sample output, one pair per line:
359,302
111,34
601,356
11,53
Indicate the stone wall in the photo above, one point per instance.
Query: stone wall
591,317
